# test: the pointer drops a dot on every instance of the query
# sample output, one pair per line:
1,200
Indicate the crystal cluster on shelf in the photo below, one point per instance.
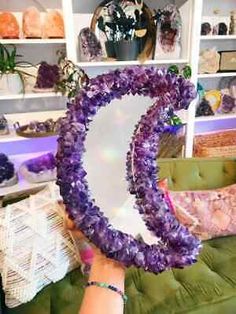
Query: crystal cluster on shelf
38,128
90,48
217,101
8,176
47,78
39,169
204,109
3,125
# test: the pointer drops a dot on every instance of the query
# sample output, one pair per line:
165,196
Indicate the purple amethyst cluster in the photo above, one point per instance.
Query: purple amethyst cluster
178,247
48,76
7,170
41,163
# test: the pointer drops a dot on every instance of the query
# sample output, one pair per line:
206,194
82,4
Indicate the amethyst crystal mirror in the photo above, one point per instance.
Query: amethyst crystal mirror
173,245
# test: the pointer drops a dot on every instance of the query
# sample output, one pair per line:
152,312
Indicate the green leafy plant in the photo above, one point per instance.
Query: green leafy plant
72,78
10,65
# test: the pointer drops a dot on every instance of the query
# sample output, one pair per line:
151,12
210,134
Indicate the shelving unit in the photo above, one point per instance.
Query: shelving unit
216,75
51,41
211,81
218,37
29,96
216,117
24,118
128,63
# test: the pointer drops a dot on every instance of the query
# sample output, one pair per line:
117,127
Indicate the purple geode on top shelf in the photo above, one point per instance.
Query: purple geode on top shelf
39,169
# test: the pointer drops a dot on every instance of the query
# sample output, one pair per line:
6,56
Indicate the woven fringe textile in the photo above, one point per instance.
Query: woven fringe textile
35,247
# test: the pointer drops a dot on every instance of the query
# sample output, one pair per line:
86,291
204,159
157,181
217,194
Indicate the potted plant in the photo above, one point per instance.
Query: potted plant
121,24
72,78
12,72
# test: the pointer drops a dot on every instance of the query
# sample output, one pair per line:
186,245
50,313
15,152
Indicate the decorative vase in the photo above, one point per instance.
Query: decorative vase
110,49
10,84
126,50
32,27
9,27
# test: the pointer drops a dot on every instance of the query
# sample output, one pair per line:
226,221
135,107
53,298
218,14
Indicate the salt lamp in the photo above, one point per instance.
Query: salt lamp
32,27
54,25
9,27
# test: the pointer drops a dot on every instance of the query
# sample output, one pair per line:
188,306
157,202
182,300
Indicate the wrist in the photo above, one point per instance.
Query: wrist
106,270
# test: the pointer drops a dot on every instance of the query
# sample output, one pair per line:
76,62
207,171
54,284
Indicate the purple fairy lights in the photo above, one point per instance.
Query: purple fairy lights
178,247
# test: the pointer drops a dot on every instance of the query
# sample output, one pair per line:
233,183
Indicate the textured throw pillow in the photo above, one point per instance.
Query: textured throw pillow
35,247
208,214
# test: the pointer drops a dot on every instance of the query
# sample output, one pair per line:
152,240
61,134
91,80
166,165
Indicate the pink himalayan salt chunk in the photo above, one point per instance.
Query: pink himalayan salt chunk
9,27
54,25
32,27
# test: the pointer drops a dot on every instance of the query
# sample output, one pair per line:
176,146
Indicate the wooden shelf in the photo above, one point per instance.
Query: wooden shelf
215,75
33,41
29,96
216,117
22,185
218,37
128,63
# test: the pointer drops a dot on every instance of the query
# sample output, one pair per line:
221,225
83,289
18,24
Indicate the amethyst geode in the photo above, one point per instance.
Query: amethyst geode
40,169
48,76
7,172
178,247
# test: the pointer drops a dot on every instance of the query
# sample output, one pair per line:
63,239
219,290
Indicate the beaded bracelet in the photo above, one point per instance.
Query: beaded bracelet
107,286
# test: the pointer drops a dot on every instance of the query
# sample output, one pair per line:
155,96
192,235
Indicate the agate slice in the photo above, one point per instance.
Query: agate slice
54,25
32,27
7,172
9,27
40,169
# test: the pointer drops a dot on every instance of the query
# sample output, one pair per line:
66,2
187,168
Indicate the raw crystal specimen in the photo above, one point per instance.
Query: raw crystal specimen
32,27
54,25
9,27
40,169
7,172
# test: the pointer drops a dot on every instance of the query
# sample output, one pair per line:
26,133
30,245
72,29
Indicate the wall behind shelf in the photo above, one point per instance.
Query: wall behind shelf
16,5
224,6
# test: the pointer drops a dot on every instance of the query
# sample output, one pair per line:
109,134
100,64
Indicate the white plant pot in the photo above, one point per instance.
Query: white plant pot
10,84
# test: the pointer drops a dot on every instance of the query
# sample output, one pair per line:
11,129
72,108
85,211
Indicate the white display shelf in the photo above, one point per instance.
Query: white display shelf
23,185
216,117
29,96
215,75
26,41
128,63
218,37
24,118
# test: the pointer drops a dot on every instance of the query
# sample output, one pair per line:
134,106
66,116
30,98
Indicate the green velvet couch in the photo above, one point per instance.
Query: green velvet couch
208,287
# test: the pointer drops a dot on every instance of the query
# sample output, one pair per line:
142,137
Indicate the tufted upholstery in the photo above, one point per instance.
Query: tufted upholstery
208,287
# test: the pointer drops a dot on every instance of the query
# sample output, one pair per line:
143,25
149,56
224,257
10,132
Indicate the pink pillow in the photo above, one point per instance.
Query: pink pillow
207,214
